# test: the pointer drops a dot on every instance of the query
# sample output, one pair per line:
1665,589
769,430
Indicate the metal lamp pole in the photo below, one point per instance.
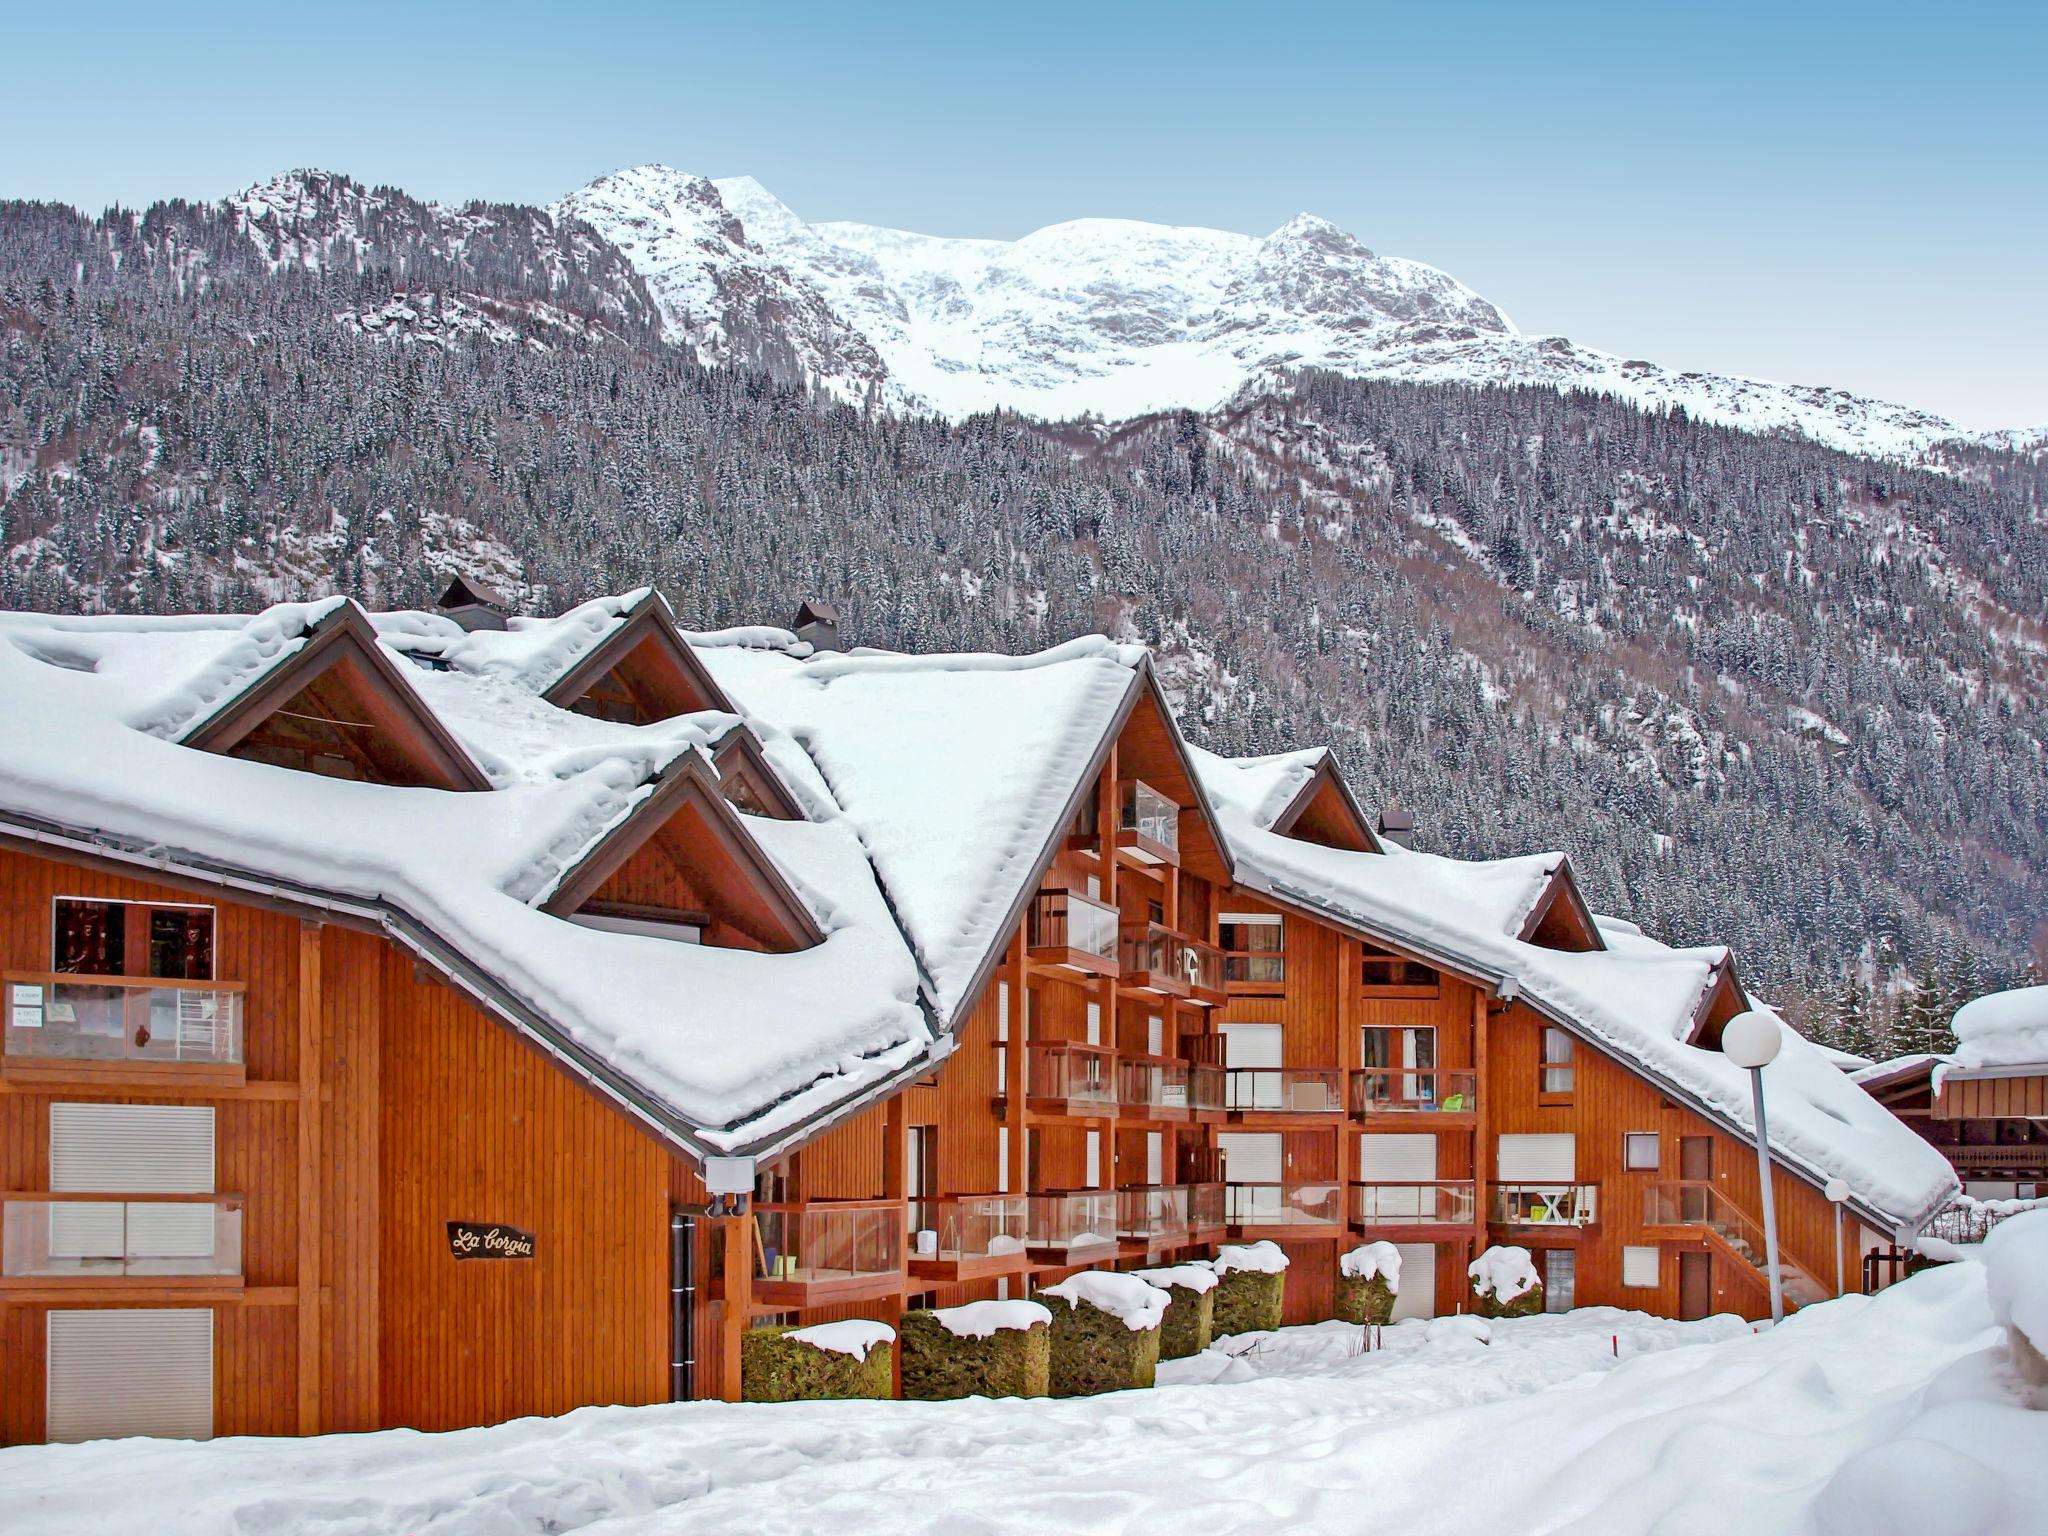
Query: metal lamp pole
1751,1041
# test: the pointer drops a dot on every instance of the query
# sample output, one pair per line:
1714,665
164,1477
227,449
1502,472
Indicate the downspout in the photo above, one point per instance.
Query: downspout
682,1305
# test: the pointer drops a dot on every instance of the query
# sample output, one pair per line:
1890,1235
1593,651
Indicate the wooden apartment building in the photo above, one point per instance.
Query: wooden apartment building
297,1136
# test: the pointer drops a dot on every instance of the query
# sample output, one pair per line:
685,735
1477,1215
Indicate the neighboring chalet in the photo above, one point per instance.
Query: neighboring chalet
1985,1108
433,1018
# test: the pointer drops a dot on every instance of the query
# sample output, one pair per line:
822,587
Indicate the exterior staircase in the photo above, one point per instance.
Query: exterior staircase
1699,1209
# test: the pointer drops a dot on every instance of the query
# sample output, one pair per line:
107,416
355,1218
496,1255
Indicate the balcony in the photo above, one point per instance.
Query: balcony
1285,1211
1440,1203
1207,1089
1155,959
1151,1218
829,1251
1153,1087
1068,929
1148,824
1207,1209
1414,1091
1255,972
1283,1091
1697,1207
1206,985
63,1027
66,1237
968,1237
1074,1228
1546,1205
1066,1077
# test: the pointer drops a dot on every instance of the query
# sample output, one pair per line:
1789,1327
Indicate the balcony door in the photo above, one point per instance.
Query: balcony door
1249,1051
1412,1051
1417,1295
1400,1161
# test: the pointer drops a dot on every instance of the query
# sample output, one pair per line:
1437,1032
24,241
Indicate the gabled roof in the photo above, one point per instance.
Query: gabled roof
338,647
645,642
739,754
683,811
1560,919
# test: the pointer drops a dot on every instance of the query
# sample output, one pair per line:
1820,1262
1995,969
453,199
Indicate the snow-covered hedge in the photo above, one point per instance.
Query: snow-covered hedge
1191,1310
1105,1332
788,1365
1368,1278
984,1349
2016,1280
1251,1296
1505,1283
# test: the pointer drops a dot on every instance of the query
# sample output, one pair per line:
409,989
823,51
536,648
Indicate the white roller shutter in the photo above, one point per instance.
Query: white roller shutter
1155,1158
1252,1157
1417,1296
1002,1159
1639,1266
1095,1023
1396,1159
130,1372
1548,1159
1251,1045
1094,1154
132,1149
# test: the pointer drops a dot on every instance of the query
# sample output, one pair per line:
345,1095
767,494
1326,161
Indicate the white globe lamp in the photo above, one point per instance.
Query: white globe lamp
1751,1040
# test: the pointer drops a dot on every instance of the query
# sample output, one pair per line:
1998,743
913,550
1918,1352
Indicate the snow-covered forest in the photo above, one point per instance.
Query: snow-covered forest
1762,691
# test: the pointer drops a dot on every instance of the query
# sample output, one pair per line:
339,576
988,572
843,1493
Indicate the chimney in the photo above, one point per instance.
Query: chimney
473,605
1397,826
817,624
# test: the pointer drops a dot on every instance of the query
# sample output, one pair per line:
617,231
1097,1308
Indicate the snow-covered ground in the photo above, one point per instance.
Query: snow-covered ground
1899,1413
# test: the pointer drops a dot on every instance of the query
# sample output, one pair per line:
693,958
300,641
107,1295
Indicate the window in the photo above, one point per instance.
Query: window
1392,1046
1639,1267
921,1173
1640,1152
130,1371
1382,968
1557,1060
1254,948
673,927
124,938
131,1149
1560,1279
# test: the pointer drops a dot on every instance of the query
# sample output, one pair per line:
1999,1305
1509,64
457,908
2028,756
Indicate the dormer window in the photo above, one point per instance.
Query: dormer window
647,922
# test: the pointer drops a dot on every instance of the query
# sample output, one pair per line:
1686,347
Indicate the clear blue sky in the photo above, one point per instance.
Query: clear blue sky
1824,193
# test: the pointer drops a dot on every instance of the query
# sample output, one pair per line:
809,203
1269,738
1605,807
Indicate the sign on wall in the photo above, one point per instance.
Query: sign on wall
488,1240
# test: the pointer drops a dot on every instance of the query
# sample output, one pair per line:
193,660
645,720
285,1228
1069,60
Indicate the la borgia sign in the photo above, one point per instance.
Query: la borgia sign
488,1240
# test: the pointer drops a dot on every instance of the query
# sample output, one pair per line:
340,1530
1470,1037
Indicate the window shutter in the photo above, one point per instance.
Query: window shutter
1155,1158
1548,1159
1252,1157
1094,1142
1396,1159
1251,1045
139,1371
133,1149
1095,1023
1639,1266
1417,1296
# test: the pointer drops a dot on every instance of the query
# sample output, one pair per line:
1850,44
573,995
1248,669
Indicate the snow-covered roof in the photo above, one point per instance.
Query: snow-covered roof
2003,1029
724,1048
1636,998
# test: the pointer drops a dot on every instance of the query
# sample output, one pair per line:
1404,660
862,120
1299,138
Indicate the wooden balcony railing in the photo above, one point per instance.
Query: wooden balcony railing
965,1237
1208,1088
1698,1203
1074,1227
1414,1090
1148,824
838,1250
1546,1205
46,1236
55,1019
1305,1204
1284,1090
1070,929
1438,1203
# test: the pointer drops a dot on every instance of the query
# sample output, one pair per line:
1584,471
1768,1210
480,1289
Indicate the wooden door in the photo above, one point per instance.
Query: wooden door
1696,1157
1695,1282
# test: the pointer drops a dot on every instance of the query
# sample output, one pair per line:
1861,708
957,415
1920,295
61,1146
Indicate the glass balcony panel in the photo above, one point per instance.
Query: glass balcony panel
824,1243
1546,1205
1447,1202
1206,1087
1082,1077
1414,1090
113,1019
1151,1211
1284,1090
112,1237
1285,1204
1079,1226
1070,920
969,1228
1205,1206
1150,814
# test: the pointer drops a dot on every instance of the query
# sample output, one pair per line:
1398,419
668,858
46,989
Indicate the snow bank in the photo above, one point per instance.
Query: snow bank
1503,1272
1138,1305
1460,1328
982,1319
855,1336
1370,1259
1265,1257
2016,1279
2003,1029
1191,1277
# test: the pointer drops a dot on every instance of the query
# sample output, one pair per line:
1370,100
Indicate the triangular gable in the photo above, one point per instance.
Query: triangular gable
643,671
1150,747
1721,999
1561,919
684,855
340,706
1324,811
748,782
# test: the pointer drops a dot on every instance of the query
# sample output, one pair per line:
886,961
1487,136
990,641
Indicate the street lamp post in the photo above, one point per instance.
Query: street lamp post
1751,1041
1837,1192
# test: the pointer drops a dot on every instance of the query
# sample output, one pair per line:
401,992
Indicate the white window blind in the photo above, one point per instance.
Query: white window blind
1155,1035
1417,1295
1251,1045
1095,1159
1252,1157
130,1371
1546,1159
1095,1023
1002,1159
133,1149
1396,1159
1639,1266
1155,1158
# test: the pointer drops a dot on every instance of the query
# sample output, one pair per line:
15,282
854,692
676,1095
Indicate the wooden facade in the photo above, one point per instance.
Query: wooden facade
1111,1075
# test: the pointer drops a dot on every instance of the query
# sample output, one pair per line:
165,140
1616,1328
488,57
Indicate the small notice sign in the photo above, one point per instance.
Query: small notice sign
488,1240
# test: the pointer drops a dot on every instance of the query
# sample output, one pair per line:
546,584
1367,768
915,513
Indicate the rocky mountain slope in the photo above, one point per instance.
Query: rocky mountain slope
1115,319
